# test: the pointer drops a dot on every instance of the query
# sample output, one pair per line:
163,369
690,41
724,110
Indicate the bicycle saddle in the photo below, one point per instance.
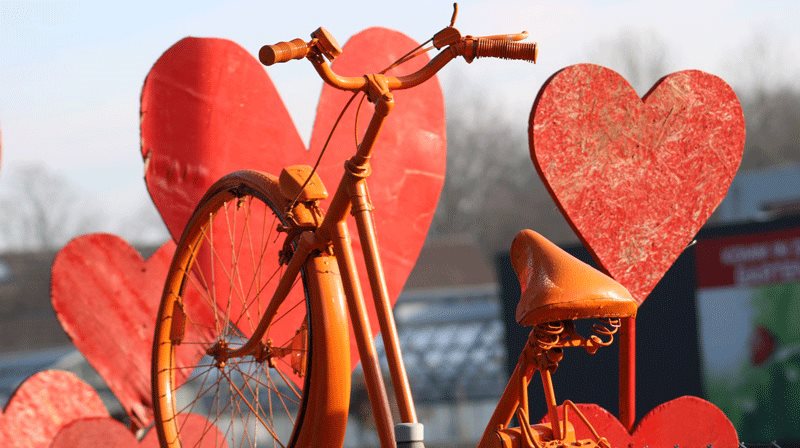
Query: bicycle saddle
557,286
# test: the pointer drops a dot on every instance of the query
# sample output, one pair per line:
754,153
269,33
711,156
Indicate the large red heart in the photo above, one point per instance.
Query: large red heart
636,178
44,403
106,298
685,421
208,108
107,432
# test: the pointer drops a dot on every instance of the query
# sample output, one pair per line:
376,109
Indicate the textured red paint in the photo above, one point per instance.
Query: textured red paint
107,432
106,297
44,403
636,178
685,421
94,432
208,108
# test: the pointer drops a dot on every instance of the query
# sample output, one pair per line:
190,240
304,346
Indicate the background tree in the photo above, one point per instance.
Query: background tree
492,189
771,102
641,57
41,210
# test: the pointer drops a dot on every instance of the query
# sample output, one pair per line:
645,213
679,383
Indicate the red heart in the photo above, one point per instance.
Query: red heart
685,421
44,403
107,432
636,178
208,109
106,297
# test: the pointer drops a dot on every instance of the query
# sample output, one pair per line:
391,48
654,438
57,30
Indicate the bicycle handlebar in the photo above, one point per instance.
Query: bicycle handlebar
283,51
506,50
323,44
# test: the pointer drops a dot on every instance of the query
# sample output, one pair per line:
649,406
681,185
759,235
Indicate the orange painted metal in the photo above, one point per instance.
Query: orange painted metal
556,289
362,210
510,400
330,375
627,373
557,286
550,400
351,195
358,318
329,380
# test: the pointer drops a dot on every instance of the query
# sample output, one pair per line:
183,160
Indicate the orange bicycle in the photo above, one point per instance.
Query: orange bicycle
216,351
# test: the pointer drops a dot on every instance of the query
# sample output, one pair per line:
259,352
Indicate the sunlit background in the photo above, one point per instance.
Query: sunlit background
71,74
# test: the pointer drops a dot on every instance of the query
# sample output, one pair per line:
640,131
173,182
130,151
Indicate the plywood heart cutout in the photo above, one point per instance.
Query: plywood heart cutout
685,421
44,403
208,108
636,178
107,432
106,298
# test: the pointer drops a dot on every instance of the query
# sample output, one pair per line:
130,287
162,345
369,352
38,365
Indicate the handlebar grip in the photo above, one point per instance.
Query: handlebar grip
528,51
283,51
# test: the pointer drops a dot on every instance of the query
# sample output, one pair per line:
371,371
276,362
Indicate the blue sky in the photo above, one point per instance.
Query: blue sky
71,71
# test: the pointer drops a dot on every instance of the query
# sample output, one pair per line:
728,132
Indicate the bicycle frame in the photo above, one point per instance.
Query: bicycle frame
352,196
331,236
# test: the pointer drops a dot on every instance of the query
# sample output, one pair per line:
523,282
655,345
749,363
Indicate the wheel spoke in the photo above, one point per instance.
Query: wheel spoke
227,283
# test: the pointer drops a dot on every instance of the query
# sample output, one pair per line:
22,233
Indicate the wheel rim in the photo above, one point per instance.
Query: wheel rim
229,257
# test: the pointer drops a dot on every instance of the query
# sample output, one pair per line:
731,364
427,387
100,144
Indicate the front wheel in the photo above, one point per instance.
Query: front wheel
223,275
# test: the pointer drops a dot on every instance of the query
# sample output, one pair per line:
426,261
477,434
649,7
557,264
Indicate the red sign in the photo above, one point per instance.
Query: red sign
748,260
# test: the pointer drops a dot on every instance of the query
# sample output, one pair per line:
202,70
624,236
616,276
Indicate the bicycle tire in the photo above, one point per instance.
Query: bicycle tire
242,397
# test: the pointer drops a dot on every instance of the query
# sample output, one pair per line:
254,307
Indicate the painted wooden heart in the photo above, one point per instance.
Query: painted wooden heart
636,178
685,421
208,108
106,298
44,403
107,432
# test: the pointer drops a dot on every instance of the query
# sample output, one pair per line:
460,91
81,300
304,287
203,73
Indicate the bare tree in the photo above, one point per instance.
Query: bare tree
41,210
641,57
773,127
771,102
492,189
143,225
